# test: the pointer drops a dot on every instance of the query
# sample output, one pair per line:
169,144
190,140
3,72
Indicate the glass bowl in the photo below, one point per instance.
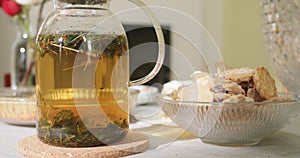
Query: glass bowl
18,106
231,124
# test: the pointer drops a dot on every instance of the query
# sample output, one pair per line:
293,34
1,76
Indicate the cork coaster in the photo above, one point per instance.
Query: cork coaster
133,143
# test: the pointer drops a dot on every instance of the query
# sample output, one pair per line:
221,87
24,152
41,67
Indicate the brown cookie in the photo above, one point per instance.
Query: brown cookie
233,88
239,75
264,83
236,99
252,93
277,99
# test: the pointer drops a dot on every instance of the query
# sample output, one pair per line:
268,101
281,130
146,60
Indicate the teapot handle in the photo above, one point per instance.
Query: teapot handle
161,44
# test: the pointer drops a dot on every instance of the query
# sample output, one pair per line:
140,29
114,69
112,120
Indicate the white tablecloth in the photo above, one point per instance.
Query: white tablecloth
167,140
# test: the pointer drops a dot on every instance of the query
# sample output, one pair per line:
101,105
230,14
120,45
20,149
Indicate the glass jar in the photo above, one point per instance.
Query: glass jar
280,21
21,56
82,75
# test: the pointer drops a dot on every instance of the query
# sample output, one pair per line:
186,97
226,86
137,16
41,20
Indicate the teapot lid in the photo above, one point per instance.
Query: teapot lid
85,2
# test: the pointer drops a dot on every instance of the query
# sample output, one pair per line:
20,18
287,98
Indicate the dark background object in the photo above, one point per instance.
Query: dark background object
143,52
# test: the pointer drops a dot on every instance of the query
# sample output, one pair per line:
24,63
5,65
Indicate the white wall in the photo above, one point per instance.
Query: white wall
169,12
243,36
180,15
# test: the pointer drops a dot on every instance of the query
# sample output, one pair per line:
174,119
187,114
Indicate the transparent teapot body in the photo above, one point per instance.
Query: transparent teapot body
82,75
79,50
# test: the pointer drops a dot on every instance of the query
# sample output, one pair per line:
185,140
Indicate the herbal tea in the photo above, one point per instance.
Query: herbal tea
82,89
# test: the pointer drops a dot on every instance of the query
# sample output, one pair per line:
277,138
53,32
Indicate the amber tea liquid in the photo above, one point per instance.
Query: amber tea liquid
81,87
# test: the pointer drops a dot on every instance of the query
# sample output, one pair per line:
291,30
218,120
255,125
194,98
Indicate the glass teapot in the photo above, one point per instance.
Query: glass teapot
82,74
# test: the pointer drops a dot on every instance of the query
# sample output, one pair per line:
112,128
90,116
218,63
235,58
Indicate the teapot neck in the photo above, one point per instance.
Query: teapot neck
82,4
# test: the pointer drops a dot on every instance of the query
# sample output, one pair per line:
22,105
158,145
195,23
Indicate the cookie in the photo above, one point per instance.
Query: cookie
220,97
264,83
239,75
277,99
198,74
252,93
237,98
187,93
233,88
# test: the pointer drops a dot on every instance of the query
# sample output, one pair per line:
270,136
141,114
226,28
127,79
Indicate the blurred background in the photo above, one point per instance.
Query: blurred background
234,25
